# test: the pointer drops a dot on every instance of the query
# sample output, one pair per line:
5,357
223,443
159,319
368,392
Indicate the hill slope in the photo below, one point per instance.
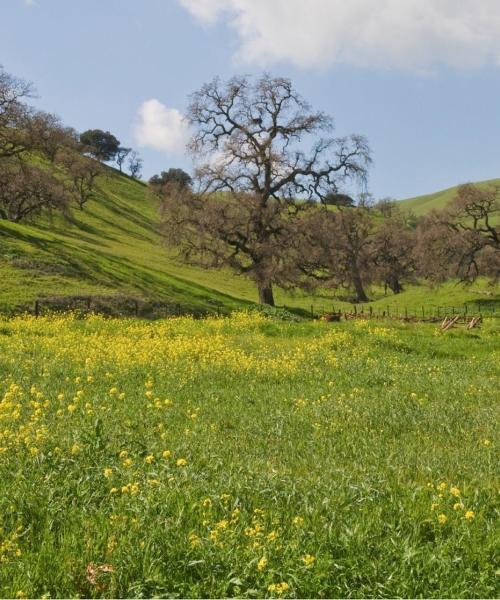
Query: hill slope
423,204
113,247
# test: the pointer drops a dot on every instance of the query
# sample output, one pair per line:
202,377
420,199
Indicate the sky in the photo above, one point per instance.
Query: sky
419,78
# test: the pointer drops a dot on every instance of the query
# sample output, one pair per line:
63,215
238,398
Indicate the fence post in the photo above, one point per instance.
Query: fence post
136,308
355,309
37,309
406,312
423,312
312,312
371,312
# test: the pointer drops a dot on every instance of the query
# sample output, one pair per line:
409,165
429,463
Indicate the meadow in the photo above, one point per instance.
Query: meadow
250,457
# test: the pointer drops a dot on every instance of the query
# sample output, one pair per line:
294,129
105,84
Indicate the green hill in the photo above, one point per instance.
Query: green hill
423,204
112,249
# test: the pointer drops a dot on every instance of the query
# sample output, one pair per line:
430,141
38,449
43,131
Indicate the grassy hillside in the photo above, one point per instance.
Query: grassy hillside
113,247
423,204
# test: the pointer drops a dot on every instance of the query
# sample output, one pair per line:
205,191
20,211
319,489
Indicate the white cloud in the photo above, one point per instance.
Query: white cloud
408,34
161,127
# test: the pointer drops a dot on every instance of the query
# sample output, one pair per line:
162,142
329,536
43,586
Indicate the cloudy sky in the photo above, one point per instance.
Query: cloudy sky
419,78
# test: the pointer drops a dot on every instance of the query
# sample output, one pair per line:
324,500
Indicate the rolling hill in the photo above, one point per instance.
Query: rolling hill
423,204
112,249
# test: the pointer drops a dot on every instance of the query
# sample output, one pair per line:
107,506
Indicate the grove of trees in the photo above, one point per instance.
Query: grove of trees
267,208
72,162
275,196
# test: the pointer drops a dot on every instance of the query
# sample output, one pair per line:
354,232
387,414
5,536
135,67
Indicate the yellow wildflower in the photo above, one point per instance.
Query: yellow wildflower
308,559
442,518
128,462
181,462
469,515
457,506
123,454
278,588
298,521
455,491
149,459
262,564
166,454
108,472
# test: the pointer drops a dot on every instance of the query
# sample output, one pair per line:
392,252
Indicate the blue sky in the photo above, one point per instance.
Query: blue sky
419,79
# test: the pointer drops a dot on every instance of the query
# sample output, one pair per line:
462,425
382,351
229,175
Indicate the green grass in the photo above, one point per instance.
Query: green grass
172,458
113,247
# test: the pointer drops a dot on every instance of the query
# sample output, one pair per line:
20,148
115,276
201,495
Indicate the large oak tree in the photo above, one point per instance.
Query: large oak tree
255,173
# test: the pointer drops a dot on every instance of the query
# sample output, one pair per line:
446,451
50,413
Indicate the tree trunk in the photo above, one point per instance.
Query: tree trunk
266,294
358,286
396,286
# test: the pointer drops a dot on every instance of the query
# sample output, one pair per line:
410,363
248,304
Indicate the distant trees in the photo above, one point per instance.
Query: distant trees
251,168
29,187
172,176
462,240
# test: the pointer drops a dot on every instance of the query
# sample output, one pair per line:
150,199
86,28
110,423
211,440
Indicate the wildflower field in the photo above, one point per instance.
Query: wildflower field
247,457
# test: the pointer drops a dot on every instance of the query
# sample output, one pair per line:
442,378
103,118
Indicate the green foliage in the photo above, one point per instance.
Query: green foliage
247,457
101,144
172,176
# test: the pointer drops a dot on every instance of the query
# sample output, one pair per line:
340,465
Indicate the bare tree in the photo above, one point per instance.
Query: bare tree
83,172
393,252
338,252
26,191
462,240
14,114
121,155
135,164
248,145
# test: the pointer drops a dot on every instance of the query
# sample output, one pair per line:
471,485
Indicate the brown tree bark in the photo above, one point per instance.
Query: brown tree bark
358,286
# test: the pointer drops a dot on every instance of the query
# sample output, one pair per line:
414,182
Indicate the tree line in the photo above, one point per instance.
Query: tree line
266,208
73,161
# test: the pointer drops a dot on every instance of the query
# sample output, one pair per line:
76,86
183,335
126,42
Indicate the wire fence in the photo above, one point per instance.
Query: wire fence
130,306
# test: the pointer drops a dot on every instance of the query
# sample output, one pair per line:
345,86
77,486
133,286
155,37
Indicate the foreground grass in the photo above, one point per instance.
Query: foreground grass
247,457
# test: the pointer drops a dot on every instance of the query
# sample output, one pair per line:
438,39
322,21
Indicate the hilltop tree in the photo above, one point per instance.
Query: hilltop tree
172,176
251,168
102,145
